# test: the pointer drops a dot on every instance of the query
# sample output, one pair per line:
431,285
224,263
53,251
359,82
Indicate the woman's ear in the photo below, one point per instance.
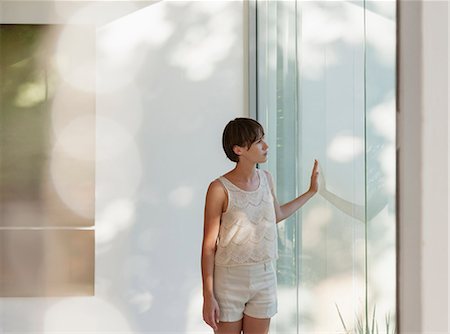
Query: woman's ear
237,150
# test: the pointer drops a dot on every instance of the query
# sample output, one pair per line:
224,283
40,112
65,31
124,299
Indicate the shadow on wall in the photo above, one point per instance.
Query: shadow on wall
164,91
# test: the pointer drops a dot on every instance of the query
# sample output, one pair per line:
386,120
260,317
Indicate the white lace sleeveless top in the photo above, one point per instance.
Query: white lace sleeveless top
248,232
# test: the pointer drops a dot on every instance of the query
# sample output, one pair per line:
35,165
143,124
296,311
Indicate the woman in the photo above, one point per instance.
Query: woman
240,235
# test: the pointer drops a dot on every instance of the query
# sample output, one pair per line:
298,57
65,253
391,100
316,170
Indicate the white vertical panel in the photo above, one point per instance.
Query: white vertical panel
434,167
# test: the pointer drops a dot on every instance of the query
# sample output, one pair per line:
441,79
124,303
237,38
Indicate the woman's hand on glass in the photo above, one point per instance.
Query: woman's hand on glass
314,186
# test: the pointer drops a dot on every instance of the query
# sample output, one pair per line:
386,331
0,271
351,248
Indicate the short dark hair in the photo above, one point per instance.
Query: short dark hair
242,132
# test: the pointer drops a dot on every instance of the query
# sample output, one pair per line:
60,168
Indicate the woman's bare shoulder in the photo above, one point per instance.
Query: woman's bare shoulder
216,196
216,187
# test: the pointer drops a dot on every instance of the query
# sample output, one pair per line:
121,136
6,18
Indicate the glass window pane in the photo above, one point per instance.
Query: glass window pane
326,91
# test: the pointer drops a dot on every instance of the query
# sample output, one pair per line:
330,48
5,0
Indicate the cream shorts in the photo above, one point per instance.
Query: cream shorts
249,289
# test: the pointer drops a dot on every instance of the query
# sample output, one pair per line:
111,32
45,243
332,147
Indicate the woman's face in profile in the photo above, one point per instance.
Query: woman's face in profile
258,151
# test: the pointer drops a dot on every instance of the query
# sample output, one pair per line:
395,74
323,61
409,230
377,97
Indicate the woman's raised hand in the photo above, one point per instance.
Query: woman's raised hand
314,187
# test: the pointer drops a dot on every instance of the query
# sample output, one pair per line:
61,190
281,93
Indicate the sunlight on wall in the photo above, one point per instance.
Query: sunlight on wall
122,46
89,12
117,216
139,298
195,323
113,139
141,301
147,240
181,196
125,110
201,50
84,315
121,165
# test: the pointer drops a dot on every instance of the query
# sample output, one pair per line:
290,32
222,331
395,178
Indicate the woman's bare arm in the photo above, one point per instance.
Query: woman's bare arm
286,210
215,198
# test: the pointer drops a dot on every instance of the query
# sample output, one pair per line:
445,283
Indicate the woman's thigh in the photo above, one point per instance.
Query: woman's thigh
225,327
253,325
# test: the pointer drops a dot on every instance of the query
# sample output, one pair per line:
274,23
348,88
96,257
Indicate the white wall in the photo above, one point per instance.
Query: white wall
434,165
170,75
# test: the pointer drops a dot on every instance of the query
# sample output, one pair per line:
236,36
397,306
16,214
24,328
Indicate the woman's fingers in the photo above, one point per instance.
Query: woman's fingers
216,318
315,168
210,320
211,313
213,324
217,313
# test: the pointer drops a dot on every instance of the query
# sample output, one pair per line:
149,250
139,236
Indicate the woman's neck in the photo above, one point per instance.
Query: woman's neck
245,172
